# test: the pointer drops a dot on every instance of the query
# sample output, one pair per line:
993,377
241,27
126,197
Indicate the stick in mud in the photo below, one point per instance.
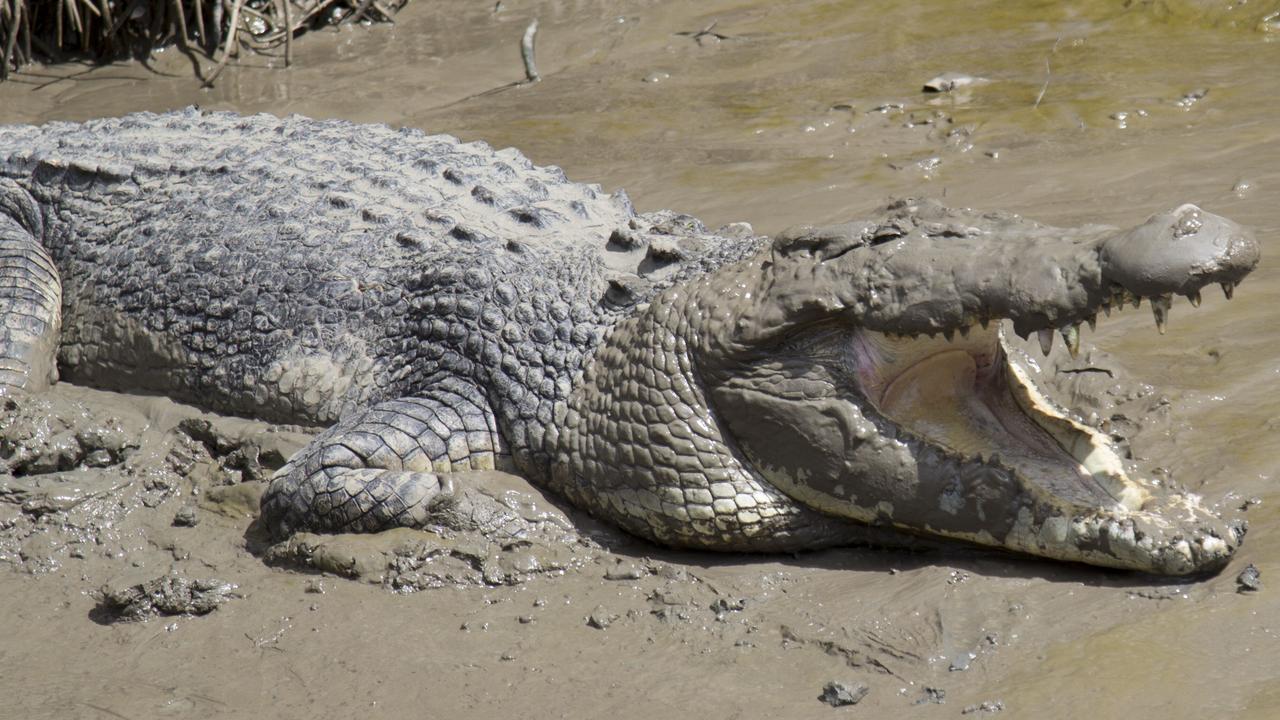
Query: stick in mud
1048,72
231,41
526,52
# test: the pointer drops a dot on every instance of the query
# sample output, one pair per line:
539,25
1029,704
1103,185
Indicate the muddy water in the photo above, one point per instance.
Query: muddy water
800,112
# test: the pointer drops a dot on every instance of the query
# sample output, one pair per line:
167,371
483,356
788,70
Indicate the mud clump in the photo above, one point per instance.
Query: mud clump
1249,580
42,435
481,538
253,458
838,694
169,594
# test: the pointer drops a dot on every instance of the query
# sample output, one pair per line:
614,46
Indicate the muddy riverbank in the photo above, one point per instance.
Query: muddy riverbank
809,112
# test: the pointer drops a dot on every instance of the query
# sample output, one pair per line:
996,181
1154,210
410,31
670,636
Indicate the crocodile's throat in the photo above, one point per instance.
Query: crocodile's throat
964,395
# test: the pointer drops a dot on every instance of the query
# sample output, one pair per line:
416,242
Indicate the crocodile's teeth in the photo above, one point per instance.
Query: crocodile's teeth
949,334
1137,301
1194,297
1093,322
964,331
1046,341
1160,308
985,321
1228,289
1071,336
1106,309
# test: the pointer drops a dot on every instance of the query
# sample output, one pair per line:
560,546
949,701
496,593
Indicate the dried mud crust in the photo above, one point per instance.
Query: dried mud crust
88,473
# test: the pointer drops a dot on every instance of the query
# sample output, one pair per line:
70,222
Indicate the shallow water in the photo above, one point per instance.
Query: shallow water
1090,115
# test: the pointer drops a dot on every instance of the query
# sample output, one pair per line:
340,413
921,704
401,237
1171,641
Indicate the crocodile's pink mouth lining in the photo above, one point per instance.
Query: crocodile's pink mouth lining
963,395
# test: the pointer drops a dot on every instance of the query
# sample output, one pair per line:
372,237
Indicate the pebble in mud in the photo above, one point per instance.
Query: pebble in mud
948,81
838,694
961,661
186,517
600,618
1249,580
1191,97
986,706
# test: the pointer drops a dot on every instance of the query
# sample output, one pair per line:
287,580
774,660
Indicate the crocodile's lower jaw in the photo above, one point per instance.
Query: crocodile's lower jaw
968,399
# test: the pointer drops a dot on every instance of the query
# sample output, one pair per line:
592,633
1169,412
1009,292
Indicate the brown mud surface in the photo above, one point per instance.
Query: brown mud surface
781,113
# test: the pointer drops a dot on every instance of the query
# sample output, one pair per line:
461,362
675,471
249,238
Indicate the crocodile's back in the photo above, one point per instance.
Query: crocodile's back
294,268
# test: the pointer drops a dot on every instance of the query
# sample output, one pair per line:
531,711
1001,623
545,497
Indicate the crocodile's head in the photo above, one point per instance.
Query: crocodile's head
864,370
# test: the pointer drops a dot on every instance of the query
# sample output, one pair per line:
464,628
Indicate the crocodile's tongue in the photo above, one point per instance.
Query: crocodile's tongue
958,399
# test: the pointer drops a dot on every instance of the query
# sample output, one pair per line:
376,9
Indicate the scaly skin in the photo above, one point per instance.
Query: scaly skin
446,307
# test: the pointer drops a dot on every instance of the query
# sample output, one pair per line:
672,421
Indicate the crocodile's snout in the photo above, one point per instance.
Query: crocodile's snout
1180,252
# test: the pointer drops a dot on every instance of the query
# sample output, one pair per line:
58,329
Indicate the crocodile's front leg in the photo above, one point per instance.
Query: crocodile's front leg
390,465
30,296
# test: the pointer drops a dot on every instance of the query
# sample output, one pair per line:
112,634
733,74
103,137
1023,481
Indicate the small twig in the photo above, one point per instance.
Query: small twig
214,41
199,22
359,12
108,23
182,24
288,32
228,46
13,38
26,34
124,17
1048,72
708,31
73,11
526,52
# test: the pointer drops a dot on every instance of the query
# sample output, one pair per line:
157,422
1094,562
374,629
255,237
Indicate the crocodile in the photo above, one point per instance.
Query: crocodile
443,307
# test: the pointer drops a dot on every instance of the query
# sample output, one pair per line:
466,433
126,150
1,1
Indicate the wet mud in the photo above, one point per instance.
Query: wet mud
134,580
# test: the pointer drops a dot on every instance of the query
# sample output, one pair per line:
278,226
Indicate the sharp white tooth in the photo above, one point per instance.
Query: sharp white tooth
1194,297
1046,341
1228,289
1160,308
1071,336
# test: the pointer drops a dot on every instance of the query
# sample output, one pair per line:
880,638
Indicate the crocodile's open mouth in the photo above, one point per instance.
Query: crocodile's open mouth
964,395
893,397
